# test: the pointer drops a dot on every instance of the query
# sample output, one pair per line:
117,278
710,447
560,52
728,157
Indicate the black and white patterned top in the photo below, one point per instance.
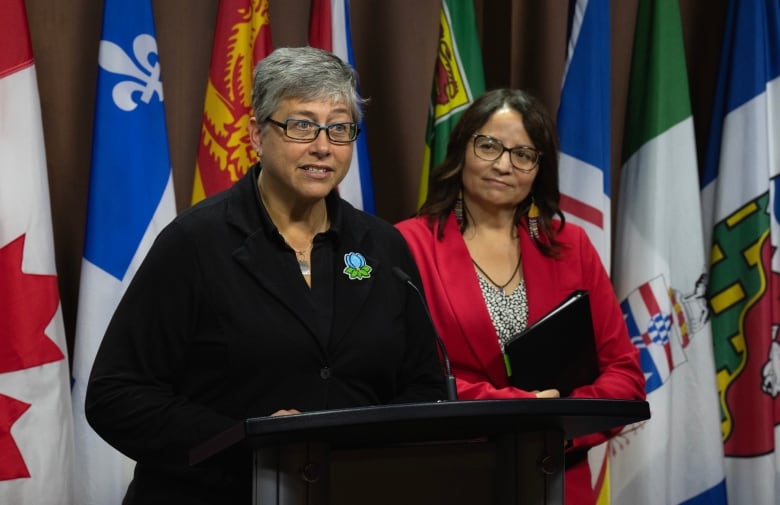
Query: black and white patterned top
509,313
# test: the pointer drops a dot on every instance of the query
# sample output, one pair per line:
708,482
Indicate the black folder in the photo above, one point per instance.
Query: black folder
558,351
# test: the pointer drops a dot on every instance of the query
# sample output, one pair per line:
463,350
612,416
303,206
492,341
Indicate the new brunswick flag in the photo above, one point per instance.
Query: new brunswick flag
242,38
458,79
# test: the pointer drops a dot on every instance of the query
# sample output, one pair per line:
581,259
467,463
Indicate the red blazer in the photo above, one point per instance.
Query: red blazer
461,316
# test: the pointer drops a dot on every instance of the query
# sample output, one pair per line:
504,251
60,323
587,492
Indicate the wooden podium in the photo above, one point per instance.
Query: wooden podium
498,452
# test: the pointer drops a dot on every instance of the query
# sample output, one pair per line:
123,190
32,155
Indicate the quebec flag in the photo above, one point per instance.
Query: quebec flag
130,200
741,206
584,124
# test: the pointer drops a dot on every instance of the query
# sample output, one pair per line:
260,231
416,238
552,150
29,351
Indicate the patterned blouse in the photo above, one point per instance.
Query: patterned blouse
509,313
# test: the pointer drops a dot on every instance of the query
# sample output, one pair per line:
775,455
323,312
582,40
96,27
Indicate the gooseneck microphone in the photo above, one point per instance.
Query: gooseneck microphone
452,391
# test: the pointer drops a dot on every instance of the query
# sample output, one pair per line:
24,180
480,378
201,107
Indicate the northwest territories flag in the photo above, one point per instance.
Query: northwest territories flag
584,124
741,202
36,424
130,199
659,275
329,29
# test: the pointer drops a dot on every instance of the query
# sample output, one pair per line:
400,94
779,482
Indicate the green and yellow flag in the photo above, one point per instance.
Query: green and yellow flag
457,80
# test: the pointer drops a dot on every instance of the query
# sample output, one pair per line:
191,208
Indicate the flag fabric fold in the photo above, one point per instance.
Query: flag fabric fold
458,80
584,125
36,423
740,203
242,38
329,29
130,200
659,273
585,143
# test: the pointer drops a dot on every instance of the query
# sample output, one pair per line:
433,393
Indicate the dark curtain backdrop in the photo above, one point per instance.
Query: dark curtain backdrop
523,45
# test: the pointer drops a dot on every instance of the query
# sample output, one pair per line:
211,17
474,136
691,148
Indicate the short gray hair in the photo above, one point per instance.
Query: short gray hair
303,73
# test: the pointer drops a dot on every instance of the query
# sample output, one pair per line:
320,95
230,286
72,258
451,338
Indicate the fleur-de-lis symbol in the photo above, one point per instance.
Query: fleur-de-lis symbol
356,266
146,74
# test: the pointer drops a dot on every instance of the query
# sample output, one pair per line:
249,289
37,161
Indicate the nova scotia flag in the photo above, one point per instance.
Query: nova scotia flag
130,199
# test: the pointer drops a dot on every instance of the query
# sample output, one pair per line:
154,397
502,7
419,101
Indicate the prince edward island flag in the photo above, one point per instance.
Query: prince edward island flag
741,208
130,200
660,277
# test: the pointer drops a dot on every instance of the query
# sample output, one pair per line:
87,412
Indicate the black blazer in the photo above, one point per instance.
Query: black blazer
219,325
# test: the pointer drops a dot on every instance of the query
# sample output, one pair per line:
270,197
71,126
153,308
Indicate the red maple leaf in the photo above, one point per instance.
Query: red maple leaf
28,303
12,464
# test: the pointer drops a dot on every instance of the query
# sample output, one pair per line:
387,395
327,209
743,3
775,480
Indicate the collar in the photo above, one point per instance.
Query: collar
270,230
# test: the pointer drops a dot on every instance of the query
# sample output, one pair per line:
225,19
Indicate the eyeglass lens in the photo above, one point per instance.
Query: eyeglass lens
301,129
490,149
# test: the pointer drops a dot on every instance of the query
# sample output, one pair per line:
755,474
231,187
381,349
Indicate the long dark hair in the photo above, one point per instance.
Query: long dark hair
446,179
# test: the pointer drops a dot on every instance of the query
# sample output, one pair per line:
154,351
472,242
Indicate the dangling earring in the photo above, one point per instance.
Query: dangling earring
533,220
458,209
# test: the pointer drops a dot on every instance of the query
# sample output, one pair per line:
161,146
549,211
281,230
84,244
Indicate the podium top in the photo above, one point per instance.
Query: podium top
430,422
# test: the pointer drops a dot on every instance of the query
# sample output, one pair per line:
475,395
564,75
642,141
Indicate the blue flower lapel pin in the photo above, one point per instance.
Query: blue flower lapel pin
356,266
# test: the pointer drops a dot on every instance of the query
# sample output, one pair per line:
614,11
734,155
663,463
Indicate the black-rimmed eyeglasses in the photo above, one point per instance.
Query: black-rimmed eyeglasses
303,129
523,158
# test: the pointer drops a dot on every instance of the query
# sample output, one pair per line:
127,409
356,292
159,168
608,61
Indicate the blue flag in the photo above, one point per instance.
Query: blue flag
130,199
584,124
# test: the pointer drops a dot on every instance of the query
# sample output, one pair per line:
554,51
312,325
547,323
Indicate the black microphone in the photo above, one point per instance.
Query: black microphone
452,391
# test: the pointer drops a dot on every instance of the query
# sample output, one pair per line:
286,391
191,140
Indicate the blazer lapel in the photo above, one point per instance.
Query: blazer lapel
541,279
259,256
477,328
281,279
350,294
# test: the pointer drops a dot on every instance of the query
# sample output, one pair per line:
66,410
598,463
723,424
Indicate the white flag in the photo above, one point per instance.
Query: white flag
660,277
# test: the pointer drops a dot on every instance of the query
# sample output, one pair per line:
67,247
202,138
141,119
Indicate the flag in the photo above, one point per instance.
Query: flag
585,143
584,162
659,274
458,79
130,200
584,124
36,423
242,37
329,29
741,205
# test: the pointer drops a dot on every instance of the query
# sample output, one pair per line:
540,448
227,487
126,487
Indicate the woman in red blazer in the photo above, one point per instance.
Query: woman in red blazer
495,255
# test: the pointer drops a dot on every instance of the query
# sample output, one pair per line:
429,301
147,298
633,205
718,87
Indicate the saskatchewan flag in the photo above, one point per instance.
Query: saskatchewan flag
458,79
660,278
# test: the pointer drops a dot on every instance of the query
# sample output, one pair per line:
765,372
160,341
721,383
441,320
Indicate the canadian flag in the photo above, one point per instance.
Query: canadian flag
36,425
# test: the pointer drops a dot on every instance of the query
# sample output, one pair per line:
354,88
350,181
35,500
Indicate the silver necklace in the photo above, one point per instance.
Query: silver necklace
300,254
303,263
